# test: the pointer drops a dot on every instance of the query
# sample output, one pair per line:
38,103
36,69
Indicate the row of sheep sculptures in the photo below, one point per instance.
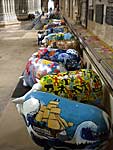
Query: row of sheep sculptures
63,109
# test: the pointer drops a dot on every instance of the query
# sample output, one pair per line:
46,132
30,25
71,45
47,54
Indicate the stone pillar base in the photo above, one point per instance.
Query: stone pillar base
8,15
6,23
22,17
8,19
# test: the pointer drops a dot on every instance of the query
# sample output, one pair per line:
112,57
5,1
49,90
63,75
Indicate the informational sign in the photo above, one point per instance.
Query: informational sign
99,13
109,15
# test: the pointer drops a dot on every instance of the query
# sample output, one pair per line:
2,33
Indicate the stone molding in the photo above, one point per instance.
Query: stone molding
12,10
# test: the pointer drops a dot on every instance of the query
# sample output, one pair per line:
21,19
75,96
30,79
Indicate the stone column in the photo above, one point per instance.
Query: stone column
71,9
34,5
83,8
37,5
62,6
75,10
66,8
30,6
45,5
7,12
1,12
21,7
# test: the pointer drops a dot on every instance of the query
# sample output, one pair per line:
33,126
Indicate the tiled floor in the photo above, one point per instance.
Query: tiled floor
16,46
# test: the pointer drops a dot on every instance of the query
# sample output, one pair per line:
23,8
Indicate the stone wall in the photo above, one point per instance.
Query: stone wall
34,5
21,8
75,11
104,31
7,12
69,9
13,10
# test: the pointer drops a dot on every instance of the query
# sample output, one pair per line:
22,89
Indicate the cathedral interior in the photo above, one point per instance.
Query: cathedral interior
22,39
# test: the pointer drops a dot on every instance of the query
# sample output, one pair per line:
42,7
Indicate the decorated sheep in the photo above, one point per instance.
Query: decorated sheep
37,68
54,23
48,61
43,33
58,36
57,29
83,85
70,58
54,121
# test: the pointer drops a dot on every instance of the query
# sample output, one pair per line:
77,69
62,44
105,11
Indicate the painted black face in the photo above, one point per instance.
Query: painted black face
72,65
88,134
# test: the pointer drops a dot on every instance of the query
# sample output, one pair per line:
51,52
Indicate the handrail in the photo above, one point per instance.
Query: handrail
37,20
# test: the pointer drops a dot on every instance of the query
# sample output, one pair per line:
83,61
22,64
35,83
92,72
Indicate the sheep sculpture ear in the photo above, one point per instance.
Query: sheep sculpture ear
21,100
18,100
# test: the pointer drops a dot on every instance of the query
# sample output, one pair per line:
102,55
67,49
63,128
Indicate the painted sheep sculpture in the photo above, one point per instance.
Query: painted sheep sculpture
70,58
37,68
49,61
82,85
58,36
59,122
